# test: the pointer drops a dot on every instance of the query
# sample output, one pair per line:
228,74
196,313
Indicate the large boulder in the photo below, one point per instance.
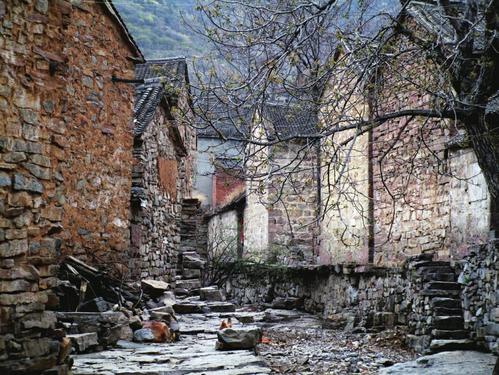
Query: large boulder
238,338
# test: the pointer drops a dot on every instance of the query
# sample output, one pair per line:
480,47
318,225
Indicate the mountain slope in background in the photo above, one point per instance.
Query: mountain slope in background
159,26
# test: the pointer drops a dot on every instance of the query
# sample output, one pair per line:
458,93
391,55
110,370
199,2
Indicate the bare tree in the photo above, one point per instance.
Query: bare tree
341,58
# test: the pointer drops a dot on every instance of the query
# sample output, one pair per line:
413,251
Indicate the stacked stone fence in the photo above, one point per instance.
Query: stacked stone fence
480,297
370,298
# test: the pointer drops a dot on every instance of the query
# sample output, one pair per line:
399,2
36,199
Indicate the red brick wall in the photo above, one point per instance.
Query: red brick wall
226,186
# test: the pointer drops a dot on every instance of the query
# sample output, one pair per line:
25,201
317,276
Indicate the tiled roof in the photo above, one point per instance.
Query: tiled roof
432,17
216,119
157,75
290,120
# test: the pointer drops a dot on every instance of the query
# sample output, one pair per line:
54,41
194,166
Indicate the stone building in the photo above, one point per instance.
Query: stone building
279,213
65,149
162,170
421,192
221,143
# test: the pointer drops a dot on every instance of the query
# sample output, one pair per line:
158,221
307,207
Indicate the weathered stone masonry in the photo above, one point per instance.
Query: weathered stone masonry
65,145
442,305
163,148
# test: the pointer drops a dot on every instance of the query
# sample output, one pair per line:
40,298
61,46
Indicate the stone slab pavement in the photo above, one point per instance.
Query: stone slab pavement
193,354
446,363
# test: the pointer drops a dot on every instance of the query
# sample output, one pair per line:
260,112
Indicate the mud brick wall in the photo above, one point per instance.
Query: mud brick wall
160,174
65,151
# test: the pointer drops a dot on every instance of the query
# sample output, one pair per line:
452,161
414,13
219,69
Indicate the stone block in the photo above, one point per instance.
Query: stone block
238,338
188,308
446,345
84,342
189,273
492,329
13,248
4,179
155,287
27,183
211,294
221,306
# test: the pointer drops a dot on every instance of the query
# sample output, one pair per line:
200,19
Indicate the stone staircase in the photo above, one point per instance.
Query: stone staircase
191,255
189,272
441,320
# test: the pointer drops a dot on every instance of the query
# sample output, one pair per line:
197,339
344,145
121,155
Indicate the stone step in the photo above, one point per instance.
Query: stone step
191,273
451,303
445,311
440,292
439,276
188,284
434,270
446,345
430,263
189,308
450,334
221,306
448,322
444,285
83,342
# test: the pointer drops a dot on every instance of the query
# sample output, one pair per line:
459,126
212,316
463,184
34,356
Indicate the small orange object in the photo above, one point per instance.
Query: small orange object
264,340
226,324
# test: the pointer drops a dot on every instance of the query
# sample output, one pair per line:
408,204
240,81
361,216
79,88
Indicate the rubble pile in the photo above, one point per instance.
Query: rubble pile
97,310
304,346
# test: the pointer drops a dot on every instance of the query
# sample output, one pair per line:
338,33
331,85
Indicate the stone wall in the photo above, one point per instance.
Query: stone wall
368,296
479,276
161,183
428,192
97,118
293,202
65,150
281,208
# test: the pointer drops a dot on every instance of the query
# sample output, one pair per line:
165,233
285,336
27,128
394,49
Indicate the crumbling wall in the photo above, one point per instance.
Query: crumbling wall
344,177
428,195
345,201
65,150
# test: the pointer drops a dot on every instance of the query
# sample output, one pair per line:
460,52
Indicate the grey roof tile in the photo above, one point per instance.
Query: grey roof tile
157,75
291,120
